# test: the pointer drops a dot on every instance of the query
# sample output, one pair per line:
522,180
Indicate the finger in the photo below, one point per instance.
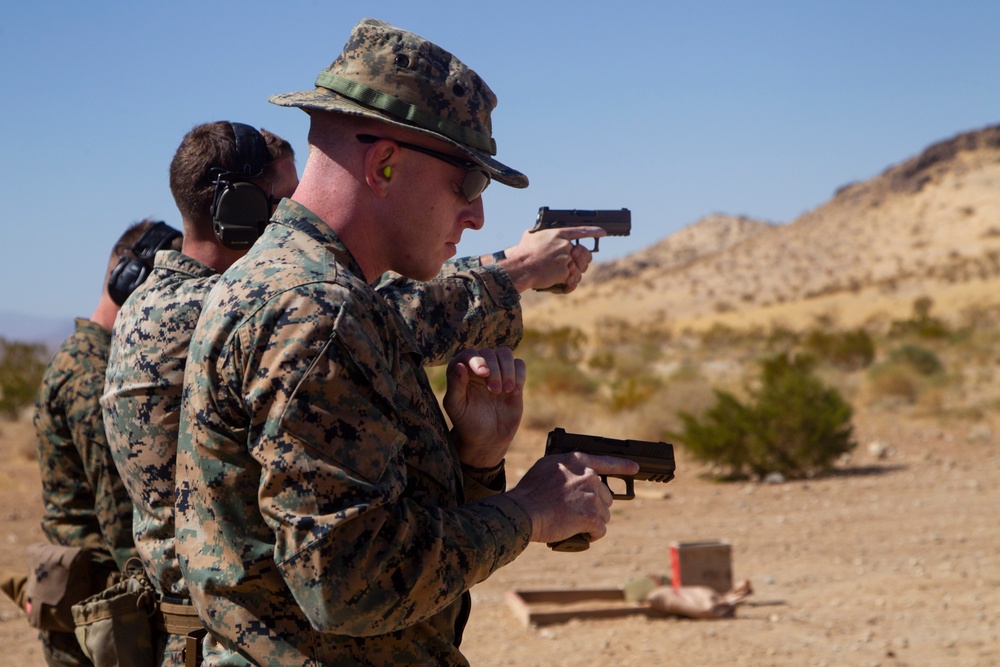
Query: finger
508,374
458,382
572,280
582,257
610,465
597,532
607,497
485,365
520,375
576,233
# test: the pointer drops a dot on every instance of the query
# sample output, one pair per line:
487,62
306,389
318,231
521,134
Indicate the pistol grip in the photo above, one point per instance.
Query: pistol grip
571,544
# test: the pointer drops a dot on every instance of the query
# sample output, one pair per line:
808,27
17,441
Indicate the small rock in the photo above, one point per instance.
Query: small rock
774,478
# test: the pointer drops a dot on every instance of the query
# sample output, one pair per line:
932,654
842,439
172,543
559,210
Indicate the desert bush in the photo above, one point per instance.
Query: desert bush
721,335
21,368
791,424
849,350
552,358
564,343
555,375
781,338
602,360
908,372
921,323
894,381
633,391
920,359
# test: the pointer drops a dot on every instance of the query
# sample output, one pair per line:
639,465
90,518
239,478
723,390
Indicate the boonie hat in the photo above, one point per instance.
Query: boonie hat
403,79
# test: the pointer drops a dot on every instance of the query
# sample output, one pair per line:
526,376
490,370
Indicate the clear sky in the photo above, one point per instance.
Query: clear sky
673,109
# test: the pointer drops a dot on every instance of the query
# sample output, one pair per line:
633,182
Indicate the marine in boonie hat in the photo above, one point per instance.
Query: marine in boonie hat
404,80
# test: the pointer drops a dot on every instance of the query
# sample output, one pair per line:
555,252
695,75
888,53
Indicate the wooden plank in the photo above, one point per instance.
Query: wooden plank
546,607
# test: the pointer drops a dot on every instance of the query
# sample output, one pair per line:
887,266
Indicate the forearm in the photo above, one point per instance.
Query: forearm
477,308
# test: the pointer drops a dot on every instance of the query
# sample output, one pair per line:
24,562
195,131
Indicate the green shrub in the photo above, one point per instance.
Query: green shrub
21,368
633,391
791,424
850,350
554,375
921,324
564,343
552,359
920,359
603,360
894,380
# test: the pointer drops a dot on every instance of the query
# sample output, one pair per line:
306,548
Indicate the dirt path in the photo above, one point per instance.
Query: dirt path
895,561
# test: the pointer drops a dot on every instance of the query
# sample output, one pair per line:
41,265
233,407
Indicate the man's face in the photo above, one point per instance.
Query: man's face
437,212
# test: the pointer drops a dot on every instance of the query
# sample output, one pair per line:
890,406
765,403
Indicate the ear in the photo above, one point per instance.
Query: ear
380,166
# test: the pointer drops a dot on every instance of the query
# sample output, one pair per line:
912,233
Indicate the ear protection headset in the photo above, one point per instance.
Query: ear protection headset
240,209
135,265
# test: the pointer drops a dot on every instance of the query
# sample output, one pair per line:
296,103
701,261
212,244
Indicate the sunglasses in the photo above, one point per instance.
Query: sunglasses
476,178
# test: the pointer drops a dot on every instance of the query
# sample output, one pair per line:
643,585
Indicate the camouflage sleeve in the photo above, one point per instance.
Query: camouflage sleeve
475,308
112,504
480,483
454,266
354,461
69,518
84,496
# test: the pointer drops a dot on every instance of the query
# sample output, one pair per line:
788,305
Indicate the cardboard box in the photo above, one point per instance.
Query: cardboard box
707,563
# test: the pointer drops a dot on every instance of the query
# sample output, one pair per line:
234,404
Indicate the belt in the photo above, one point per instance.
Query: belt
179,619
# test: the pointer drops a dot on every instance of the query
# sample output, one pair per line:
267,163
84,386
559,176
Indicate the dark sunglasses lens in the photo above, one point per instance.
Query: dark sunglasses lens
474,184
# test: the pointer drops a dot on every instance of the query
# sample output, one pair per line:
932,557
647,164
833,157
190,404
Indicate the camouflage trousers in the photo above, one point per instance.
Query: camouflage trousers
170,650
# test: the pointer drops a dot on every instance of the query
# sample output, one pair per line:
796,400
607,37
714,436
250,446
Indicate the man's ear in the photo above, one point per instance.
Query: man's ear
380,166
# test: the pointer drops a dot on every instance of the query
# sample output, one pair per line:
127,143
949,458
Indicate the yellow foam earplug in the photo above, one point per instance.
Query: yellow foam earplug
387,172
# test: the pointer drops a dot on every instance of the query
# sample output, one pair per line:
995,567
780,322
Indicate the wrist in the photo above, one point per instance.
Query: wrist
493,478
519,269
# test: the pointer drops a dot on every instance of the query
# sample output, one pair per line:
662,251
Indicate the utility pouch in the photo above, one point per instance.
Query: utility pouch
15,586
58,578
115,626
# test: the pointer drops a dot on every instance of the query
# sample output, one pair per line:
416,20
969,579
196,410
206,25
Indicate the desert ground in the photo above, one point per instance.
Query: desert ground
893,560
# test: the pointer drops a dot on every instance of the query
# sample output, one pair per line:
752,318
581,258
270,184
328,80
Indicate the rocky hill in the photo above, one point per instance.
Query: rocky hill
928,226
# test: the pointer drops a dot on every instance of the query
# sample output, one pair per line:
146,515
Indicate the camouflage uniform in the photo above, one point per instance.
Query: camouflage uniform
141,412
86,504
146,370
323,516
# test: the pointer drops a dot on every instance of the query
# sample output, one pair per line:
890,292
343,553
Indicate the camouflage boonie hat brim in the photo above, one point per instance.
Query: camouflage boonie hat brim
404,80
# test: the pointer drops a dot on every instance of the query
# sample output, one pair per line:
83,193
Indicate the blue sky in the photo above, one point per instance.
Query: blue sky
673,109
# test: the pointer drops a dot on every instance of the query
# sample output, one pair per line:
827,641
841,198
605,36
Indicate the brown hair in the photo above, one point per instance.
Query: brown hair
123,245
208,147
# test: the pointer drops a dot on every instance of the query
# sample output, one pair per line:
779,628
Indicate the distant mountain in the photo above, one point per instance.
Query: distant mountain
21,328
709,236
928,226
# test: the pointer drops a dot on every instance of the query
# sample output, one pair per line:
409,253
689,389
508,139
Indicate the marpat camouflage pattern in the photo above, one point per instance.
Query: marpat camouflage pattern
321,514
